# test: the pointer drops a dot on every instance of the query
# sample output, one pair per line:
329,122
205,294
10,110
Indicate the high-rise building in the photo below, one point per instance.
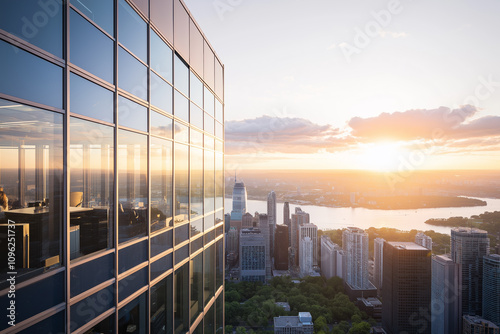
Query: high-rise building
286,217
252,255
473,324
355,246
271,217
306,256
247,220
281,248
332,256
311,231
423,240
298,218
111,144
232,240
239,200
406,291
265,229
468,246
378,266
491,288
446,295
227,222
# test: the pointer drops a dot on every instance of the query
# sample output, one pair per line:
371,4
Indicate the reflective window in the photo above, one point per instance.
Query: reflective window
132,115
161,242
99,11
197,243
160,266
195,48
209,222
219,264
219,146
134,316
181,106
161,125
196,90
143,6
209,273
219,130
208,65
196,116
161,306
132,185
132,31
181,253
181,183
181,299
91,187
132,255
132,75
90,49
31,174
89,308
196,280
104,327
196,137
196,182
53,324
161,184
181,234
87,275
209,101
161,57
219,112
219,181
37,22
209,124
196,228
129,285
209,142
181,132
163,18
181,29
90,100
208,320
17,68
181,76
219,312
209,182
161,93
219,79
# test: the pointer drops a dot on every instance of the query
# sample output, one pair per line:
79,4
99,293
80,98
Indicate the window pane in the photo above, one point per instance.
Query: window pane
90,100
104,327
161,184
161,57
219,80
208,65
91,187
181,234
181,79
209,100
181,106
163,18
132,185
196,228
181,183
219,269
196,280
161,266
181,299
196,116
209,182
219,113
161,242
91,307
99,11
209,142
31,170
209,222
17,68
196,137
143,6
129,285
219,146
90,274
132,31
35,21
90,48
219,312
208,321
132,75
196,182
219,181
134,315
161,125
161,93
132,115
161,306
181,29
131,256
209,124
196,90
195,48
181,132
219,130
209,276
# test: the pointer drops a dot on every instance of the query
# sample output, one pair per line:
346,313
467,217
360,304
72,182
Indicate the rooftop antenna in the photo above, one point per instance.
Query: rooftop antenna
235,180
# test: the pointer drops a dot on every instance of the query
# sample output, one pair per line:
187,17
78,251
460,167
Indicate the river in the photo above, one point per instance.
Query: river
337,218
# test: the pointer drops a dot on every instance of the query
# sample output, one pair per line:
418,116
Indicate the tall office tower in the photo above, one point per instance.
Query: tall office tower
104,106
491,288
271,217
227,222
311,231
286,217
423,240
331,258
355,246
406,291
378,267
306,256
247,220
446,308
232,240
252,255
264,227
477,325
298,218
239,200
281,248
468,246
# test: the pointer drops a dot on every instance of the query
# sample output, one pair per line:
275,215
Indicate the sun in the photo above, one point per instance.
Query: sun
381,156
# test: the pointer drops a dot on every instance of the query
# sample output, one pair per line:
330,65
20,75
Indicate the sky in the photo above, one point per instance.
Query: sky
379,85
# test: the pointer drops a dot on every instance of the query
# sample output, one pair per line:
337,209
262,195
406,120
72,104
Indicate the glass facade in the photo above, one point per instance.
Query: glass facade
111,168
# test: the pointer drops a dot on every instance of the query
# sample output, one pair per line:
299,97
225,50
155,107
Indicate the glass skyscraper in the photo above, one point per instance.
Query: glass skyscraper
111,168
